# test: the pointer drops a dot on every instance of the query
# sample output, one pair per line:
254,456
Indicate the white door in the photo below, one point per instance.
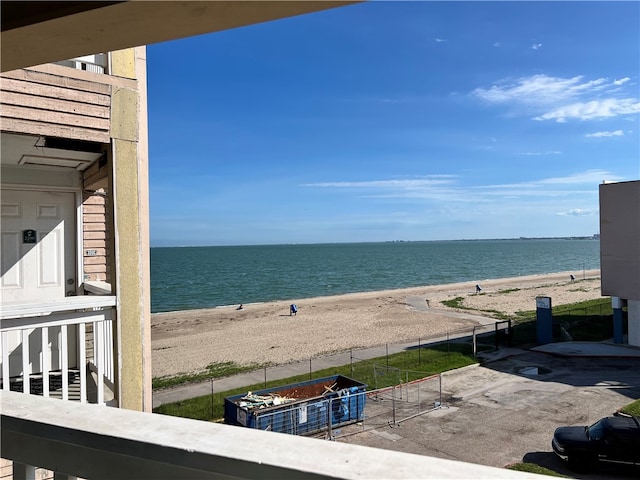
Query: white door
38,262
40,267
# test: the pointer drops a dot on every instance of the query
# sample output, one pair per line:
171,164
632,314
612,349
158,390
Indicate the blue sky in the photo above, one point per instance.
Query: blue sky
395,121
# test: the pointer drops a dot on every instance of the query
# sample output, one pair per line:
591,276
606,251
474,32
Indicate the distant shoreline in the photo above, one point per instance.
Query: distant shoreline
580,237
264,333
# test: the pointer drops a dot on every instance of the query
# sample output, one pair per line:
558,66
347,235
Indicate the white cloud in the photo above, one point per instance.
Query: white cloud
588,177
577,212
497,44
614,133
594,109
537,90
450,188
554,152
440,40
561,99
536,46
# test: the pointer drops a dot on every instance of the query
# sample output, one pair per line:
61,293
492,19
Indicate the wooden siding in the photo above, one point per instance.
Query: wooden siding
40,103
96,247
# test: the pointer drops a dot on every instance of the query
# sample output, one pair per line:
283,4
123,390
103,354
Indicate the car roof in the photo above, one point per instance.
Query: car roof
623,422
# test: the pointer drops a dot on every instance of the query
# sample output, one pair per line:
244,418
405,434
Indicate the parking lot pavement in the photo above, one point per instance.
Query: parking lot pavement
506,411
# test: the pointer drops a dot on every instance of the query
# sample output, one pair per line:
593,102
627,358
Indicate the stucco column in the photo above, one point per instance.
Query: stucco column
130,189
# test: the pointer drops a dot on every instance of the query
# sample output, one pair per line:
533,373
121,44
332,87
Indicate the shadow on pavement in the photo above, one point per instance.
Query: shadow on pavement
604,471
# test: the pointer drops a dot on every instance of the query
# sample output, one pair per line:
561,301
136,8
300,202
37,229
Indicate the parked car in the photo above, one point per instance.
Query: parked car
610,439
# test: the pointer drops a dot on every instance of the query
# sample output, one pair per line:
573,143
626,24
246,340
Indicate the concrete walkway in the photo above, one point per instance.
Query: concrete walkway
589,349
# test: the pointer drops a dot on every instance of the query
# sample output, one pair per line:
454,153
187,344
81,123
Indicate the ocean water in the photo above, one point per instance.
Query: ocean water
184,278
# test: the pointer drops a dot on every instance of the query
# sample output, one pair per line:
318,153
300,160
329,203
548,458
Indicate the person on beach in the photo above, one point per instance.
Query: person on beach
240,307
293,309
478,288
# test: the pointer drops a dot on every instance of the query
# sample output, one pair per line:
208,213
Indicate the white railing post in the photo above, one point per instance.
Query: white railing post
24,335
98,357
108,330
45,361
82,361
64,361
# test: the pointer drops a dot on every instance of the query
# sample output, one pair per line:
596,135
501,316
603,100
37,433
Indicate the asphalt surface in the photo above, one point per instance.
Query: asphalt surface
507,410
496,413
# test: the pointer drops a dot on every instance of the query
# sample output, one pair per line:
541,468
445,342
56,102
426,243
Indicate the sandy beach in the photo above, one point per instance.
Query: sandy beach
188,341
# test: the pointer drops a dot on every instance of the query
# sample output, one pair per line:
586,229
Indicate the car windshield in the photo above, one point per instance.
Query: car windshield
596,431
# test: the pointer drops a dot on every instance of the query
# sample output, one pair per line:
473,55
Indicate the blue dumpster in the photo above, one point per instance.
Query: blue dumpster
299,408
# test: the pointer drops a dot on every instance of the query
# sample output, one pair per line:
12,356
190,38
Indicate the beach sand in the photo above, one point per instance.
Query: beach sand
188,341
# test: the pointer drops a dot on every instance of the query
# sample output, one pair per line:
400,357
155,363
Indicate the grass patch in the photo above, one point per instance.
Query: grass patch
533,468
458,303
632,409
214,370
398,368
455,303
509,290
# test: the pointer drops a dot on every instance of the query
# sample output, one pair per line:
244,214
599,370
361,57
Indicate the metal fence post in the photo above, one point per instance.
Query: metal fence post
329,427
406,376
351,361
393,403
375,377
475,344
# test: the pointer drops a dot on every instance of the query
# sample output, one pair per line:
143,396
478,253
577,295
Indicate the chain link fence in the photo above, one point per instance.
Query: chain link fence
318,416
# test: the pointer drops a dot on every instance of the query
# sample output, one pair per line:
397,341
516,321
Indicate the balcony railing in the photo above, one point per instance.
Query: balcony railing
91,63
59,348
104,443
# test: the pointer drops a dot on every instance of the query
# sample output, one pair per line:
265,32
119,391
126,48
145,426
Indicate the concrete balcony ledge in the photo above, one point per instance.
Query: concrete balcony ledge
68,304
97,442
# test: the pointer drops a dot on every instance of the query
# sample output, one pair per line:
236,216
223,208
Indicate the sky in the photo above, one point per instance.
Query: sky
386,121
